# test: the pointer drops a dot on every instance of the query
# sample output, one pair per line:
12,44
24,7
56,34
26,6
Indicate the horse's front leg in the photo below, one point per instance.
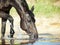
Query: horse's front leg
10,18
3,27
3,30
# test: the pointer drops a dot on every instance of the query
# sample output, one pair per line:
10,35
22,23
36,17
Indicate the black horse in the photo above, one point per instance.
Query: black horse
27,22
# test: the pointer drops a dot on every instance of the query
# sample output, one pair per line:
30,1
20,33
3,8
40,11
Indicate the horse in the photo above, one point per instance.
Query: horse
27,22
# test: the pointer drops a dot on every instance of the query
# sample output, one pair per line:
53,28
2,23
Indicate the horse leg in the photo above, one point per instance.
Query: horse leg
3,27
11,26
6,16
3,30
11,30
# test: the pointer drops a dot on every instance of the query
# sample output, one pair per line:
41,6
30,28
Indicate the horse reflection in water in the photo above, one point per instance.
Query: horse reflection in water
27,22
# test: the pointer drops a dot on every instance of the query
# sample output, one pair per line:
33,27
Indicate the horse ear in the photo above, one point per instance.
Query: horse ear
32,8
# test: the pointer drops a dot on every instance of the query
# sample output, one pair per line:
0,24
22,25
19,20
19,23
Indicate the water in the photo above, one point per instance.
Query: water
44,43
47,43
43,40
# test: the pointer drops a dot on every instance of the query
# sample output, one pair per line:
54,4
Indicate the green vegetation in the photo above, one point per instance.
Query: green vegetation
45,7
